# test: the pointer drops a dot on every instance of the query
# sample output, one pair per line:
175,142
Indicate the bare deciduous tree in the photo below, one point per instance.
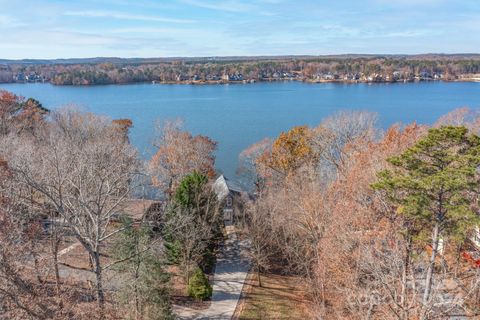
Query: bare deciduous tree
83,168
179,153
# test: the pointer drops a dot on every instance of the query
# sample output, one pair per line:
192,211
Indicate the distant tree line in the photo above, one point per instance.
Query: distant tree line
380,69
378,224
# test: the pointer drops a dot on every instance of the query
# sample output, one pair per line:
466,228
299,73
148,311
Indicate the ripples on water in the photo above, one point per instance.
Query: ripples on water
239,115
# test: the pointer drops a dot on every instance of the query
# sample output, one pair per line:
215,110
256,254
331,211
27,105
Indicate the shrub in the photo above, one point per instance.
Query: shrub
199,288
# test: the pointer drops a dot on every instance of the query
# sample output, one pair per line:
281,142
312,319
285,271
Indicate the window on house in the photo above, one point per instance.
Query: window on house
229,201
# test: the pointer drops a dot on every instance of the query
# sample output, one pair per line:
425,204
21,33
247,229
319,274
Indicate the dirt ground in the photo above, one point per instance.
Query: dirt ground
279,297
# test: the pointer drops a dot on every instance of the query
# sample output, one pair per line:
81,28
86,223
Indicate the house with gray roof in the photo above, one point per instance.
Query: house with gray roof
229,194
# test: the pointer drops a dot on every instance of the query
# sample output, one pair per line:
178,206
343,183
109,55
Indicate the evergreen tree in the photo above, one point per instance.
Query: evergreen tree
192,223
186,197
431,184
146,287
199,287
188,193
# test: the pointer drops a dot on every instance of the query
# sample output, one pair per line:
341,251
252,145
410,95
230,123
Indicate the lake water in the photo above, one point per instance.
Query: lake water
238,115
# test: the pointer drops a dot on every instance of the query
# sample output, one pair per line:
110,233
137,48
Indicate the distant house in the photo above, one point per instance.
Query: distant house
351,77
213,77
375,78
230,196
139,210
181,77
32,77
232,77
397,75
19,77
328,76
425,75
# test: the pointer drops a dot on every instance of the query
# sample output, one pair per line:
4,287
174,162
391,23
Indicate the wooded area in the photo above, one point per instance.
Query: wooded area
71,177
341,68
377,224
380,225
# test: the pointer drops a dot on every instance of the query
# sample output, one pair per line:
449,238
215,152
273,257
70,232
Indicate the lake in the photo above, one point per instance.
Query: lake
238,115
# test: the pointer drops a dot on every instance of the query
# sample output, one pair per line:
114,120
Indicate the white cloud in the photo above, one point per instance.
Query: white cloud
5,20
409,3
152,31
124,16
229,6
8,21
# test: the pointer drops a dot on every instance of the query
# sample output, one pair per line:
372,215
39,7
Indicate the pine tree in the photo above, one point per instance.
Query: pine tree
431,184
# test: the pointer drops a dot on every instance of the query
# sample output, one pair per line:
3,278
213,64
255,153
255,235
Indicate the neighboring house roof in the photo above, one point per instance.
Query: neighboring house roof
137,209
222,187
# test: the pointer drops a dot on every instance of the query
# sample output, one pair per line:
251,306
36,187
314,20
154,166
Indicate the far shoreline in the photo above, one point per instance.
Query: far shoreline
252,82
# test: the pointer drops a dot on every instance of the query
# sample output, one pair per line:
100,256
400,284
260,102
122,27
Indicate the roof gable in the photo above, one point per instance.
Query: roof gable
222,187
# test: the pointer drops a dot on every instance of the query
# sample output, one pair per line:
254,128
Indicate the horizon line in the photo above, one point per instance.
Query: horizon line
249,56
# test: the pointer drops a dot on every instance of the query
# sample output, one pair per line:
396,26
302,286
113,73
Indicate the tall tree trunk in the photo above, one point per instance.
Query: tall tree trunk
37,267
55,247
138,312
406,267
99,284
433,256
259,277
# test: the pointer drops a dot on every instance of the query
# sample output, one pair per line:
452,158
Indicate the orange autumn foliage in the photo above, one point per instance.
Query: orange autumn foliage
18,115
180,153
360,218
290,151
123,126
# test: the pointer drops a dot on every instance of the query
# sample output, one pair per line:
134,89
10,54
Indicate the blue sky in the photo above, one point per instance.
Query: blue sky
148,28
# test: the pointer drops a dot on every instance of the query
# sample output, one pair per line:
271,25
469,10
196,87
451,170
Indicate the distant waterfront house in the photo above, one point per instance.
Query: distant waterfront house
424,75
213,77
233,77
328,76
351,77
181,77
230,196
19,77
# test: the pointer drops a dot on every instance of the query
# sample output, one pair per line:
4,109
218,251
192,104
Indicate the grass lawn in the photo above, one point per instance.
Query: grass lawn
280,297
